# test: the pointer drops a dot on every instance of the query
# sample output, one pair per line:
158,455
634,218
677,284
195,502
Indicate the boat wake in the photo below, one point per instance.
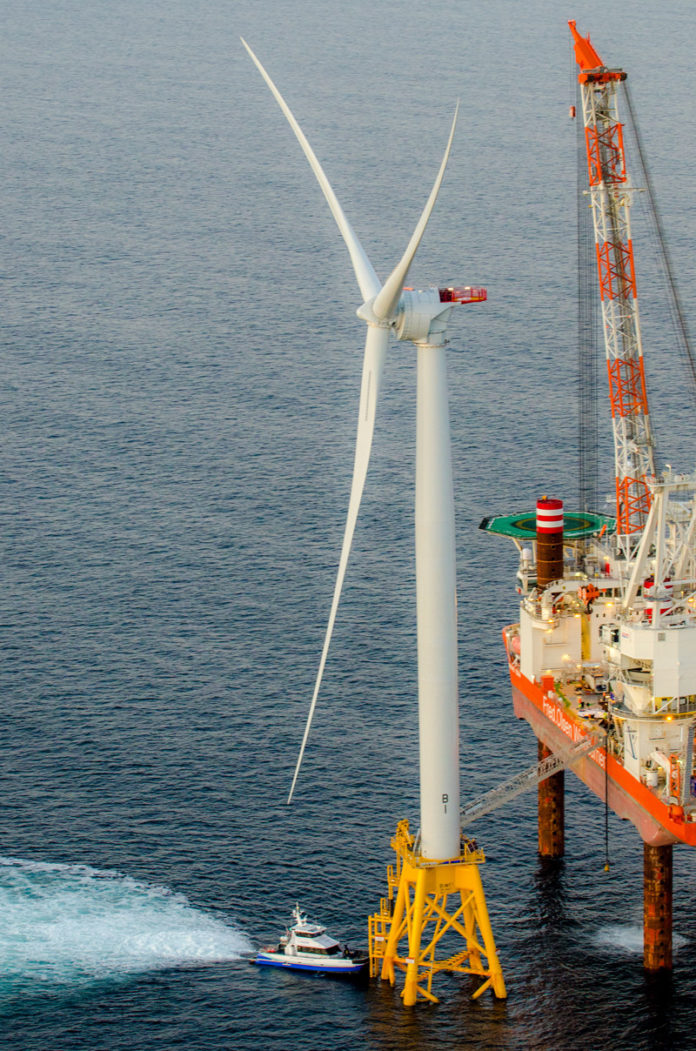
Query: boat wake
629,940
72,924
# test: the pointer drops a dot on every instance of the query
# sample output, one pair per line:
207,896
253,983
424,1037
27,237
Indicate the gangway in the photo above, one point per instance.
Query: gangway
526,780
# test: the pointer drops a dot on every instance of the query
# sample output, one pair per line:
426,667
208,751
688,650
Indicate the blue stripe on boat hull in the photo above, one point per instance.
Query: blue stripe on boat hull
350,968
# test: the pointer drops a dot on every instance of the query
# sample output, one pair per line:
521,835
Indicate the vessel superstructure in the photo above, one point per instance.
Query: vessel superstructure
602,650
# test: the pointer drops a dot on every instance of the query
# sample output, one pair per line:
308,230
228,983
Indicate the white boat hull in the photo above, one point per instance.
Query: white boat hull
339,967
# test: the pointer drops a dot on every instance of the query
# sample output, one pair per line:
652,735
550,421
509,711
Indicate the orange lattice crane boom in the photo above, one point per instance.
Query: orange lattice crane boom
610,196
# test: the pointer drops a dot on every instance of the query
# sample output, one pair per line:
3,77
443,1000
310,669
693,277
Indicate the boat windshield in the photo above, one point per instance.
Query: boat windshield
319,950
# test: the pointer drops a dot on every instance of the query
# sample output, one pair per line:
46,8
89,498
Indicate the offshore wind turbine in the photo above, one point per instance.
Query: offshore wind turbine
439,862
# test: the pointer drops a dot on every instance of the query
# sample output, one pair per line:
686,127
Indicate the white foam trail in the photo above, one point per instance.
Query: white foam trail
71,923
629,939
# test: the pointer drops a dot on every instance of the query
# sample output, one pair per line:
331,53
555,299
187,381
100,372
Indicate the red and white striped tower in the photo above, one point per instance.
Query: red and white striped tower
549,535
610,196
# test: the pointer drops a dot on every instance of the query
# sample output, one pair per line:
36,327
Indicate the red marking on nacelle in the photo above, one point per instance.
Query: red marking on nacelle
466,294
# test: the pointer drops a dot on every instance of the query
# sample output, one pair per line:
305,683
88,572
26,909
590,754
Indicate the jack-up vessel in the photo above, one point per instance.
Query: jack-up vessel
605,646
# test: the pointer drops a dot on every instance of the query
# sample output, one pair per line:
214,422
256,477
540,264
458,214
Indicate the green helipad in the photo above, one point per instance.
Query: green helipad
576,525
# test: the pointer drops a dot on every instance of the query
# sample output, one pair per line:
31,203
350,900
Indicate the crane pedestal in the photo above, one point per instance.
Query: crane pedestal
433,907
657,907
551,811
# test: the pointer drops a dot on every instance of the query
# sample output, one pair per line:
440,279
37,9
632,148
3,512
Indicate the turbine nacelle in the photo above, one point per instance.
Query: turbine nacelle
421,315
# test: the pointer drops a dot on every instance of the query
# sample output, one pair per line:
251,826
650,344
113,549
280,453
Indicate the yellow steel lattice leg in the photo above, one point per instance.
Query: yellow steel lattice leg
438,917
395,930
415,932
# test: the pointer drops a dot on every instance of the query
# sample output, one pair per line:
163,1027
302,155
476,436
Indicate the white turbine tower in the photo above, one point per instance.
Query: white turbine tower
419,317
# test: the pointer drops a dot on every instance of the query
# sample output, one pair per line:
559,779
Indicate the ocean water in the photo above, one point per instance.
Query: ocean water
180,369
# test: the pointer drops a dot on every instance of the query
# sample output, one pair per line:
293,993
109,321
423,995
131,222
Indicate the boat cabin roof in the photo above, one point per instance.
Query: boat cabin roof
307,930
321,940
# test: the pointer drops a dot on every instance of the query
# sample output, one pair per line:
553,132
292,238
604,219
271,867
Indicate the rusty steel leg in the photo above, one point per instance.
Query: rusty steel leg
551,811
657,907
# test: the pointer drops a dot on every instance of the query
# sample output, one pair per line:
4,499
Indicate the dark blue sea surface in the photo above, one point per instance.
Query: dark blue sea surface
180,369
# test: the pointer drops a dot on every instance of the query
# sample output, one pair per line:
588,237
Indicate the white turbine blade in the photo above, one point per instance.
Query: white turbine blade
385,303
373,365
367,278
